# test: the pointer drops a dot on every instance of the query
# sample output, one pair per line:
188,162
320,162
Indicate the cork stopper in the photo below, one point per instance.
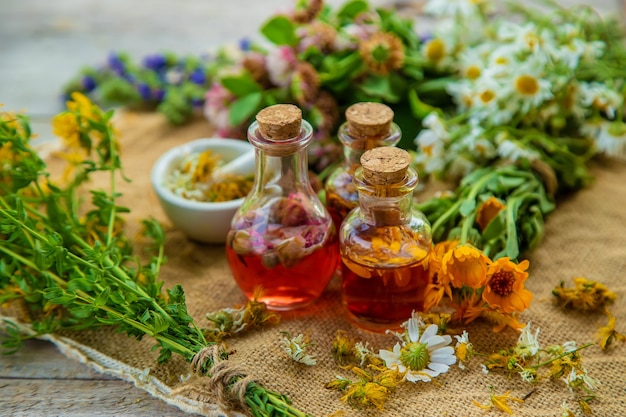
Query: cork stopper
280,121
385,165
369,119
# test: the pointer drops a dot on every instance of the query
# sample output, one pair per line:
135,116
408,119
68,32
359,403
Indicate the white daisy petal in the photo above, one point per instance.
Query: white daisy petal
414,330
429,332
440,368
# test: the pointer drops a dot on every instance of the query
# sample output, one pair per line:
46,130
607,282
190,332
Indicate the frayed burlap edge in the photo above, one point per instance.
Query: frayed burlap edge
180,397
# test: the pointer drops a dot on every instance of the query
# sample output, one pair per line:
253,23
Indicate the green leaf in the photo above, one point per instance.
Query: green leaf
159,325
103,297
467,207
495,228
280,30
512,244
380,87
244,107
241,84
352,8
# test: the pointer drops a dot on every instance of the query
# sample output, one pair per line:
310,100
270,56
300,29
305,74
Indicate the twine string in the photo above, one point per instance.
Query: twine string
229,382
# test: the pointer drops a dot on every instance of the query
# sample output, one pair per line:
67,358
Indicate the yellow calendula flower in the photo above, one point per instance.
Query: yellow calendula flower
382,53
505,286
487,211
465,265
500,402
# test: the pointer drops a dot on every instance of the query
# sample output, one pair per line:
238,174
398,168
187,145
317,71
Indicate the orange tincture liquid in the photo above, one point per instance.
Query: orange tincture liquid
378,299
285,287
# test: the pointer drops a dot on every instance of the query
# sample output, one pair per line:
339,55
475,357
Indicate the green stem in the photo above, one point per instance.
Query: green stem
549,361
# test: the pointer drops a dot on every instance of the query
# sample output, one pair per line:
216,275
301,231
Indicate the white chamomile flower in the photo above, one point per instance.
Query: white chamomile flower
528,38
580,377
424,356
570,346
501,61
435,123
463,348
529,87
565,411
600,97
527,344
363,351
609,137
296,347
513,151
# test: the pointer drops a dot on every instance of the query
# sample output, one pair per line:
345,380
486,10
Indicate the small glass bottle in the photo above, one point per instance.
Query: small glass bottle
383,243
282,240
368,125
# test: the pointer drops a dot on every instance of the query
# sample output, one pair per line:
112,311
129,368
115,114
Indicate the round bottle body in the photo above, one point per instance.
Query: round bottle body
282,247
383,277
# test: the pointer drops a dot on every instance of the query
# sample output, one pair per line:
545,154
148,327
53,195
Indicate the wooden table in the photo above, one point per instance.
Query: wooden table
39,381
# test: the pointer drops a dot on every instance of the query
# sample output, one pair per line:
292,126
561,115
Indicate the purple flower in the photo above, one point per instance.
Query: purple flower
425,37
159,94
198,76
116,64
144,91
88,83
197,102
154,62
244,44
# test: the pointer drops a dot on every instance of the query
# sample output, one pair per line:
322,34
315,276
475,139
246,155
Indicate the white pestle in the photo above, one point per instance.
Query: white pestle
241,165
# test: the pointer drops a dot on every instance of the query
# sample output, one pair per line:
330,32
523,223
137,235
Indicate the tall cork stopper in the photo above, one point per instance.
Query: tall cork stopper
369,119
280,121
385,165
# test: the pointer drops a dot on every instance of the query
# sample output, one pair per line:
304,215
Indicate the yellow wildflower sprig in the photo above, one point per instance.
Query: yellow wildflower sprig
500,402
556,362
370,389
606,335
587,295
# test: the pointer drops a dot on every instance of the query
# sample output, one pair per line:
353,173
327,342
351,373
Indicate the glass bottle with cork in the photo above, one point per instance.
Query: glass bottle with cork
282,246
383,243
368,125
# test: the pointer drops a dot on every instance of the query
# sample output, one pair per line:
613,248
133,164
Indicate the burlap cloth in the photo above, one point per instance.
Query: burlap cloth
586,236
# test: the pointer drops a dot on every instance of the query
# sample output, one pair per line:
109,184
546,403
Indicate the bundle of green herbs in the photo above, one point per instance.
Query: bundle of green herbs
71,266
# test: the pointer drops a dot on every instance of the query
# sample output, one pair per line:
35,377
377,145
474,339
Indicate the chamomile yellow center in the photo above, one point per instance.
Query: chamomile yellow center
472,72
527,85
435,50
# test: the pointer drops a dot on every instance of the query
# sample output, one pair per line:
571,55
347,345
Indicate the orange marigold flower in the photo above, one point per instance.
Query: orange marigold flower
464,265
432,263
487,211
468,308
505,286
382,52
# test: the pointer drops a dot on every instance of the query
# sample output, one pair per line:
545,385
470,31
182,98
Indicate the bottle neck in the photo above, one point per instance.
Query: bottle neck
281,163
386,204
354,146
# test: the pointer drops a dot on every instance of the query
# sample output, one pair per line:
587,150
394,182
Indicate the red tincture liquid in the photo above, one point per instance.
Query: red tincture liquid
387,298
286,288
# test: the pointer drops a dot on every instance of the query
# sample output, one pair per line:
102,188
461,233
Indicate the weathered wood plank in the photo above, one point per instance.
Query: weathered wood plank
39,359
66,397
